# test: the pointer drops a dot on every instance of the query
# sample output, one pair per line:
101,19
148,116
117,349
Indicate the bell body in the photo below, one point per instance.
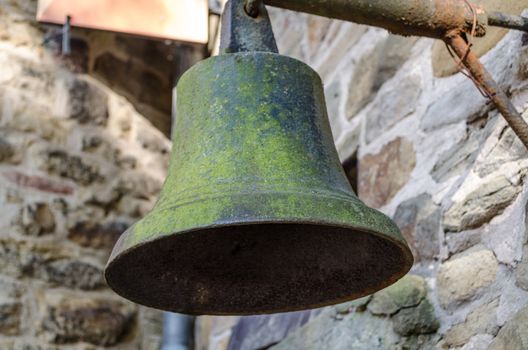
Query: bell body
256,214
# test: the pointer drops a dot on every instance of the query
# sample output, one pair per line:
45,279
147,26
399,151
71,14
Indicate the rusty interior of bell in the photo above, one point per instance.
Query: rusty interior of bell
251,269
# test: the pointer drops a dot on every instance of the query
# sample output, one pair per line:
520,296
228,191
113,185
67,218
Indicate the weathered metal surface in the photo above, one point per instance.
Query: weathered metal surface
443,63
242,32
485,81
256,215
508,21
431,18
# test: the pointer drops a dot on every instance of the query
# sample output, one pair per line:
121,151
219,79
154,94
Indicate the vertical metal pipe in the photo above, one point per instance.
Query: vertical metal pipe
66,50
177,331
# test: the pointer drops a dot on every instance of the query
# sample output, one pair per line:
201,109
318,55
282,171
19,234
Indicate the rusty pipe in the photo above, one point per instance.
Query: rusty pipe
430,18
485,81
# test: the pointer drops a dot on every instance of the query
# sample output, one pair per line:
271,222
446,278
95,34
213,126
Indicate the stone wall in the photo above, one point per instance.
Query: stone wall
434,155
78,164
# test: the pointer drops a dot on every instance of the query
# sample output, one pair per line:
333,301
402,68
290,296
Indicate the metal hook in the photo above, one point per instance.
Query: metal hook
252,7
242,33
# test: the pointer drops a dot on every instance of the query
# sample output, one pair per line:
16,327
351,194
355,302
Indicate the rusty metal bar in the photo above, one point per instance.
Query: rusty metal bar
485,81
430,18
508,21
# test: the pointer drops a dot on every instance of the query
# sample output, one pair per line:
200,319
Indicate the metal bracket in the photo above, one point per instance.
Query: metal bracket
242,32
66,48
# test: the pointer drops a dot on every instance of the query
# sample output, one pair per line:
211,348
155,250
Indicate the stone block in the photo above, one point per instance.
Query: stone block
479,200
521,271
6,150
49,263
461,278
260,332
37,219
102,322
419,221
38,182
482,320
394,102
70,166
382,175
407,292
513,335
420,319
95,235
88,102
11,308
10,317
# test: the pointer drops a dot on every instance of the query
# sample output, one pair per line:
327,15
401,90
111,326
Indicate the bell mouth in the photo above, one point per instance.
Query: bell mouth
257,268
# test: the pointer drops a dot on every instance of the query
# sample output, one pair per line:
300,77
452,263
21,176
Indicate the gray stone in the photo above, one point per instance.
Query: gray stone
48,263
419,342
347,36
482,320
420,319
6,150
317,28
88,103
457,159
419,221
153,141
407,292
95,235
260,332
24,344
396,102
513,335
11,308
509,148
10,289
521,271
333,99
72,167
95,321
356,331
461,102
138,185
73,274
358,305
523,63
461,278
10,317
478,342
396,50
37,219
458,242
382,175
479,204
361,85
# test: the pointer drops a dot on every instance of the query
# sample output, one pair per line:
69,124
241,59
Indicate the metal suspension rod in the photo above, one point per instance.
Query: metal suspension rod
508,21
430,18
485,81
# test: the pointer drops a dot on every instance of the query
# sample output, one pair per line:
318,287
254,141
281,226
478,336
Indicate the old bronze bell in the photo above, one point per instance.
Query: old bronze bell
256,214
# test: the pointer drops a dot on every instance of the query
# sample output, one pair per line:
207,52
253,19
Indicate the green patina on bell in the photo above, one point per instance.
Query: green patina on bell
256,214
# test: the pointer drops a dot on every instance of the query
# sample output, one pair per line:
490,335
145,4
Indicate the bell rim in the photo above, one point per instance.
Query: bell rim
403,248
